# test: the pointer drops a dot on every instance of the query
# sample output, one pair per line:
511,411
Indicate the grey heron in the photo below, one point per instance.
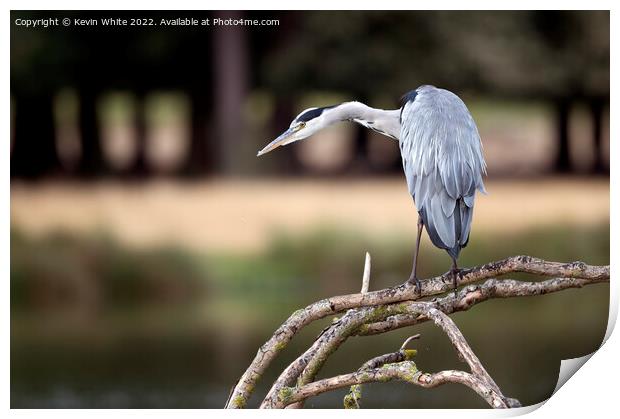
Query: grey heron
441,155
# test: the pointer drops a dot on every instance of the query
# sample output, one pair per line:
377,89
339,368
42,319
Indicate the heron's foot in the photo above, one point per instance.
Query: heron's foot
418,285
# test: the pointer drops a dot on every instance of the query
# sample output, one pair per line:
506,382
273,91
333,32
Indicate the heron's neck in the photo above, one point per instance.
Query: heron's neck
385,122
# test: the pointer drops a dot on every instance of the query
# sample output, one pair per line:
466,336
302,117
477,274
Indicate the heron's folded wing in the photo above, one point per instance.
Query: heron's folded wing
443,163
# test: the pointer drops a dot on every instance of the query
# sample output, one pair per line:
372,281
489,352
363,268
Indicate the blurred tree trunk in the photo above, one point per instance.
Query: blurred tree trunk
231,80
140,168
200,156
34,150
91,163
596,109
562,159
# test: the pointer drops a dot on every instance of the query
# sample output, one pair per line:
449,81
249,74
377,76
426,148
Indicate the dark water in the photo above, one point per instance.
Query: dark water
187,352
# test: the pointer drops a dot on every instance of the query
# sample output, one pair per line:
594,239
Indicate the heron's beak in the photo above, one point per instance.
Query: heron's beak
281,140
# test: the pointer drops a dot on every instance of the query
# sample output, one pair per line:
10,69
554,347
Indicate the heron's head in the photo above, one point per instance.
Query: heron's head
304,125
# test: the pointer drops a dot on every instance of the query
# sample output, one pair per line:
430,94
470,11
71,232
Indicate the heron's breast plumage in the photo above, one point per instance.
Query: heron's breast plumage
443,163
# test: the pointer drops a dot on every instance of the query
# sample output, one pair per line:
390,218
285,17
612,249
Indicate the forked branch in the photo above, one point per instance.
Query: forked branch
392,308
399,366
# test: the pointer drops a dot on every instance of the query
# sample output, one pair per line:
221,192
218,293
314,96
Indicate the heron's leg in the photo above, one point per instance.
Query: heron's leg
455,274
414,272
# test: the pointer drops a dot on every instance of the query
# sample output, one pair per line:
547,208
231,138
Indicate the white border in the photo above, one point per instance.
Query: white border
591,392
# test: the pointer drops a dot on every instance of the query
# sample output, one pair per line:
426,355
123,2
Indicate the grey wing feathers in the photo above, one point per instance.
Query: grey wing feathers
443,163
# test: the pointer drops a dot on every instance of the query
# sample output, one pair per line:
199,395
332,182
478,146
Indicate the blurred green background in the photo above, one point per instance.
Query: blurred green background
152,253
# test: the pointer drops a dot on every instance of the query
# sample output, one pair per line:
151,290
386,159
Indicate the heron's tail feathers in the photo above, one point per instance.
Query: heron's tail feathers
448,225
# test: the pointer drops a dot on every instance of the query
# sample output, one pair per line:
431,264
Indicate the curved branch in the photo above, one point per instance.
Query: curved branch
352,399
479,380
462,347
404,371
405,292
306,366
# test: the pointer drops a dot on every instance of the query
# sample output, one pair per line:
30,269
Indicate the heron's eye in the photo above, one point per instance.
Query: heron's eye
301,125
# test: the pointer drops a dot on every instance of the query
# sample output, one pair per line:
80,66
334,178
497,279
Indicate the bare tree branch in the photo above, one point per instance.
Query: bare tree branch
352,399
479,380
326,343
567,273
307,365
474,294
458,340
405,371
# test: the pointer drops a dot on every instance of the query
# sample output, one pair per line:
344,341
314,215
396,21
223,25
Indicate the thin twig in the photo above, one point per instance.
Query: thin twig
366,275
409,339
